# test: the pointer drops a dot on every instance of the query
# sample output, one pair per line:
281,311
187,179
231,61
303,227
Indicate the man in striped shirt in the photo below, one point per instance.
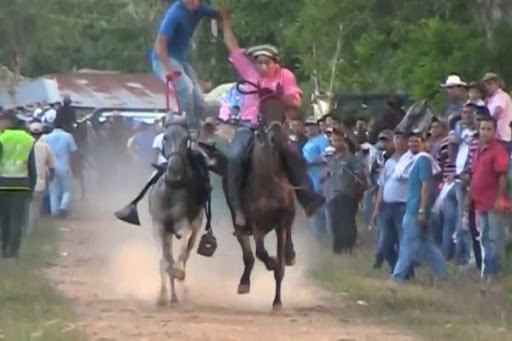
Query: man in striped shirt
445,160
465,132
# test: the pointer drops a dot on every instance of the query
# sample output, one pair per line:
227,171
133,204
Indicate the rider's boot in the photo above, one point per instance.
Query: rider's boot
235,179
238,152
295,167
200,166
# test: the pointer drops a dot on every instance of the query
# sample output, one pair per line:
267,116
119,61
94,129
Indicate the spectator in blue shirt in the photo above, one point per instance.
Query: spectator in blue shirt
170,54
64,149
416,243
142,145
313,153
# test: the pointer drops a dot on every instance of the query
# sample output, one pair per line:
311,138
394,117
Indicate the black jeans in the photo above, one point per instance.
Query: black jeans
342,210
13,208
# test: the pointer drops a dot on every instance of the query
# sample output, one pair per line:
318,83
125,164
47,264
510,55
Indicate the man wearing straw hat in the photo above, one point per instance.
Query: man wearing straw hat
455,89
500,106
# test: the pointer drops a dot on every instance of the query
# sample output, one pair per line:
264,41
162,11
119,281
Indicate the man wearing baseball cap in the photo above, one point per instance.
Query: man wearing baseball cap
45,167
500,107
313,153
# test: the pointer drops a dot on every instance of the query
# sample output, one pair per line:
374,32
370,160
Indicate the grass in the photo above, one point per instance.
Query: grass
456,310
30,309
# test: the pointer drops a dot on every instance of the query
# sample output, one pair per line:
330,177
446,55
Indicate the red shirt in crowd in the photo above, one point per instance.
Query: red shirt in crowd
488,164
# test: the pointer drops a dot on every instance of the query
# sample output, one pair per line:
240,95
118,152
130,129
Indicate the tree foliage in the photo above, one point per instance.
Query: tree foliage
408,45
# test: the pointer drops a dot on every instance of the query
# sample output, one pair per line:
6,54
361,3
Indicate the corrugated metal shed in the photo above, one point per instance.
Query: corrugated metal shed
93,89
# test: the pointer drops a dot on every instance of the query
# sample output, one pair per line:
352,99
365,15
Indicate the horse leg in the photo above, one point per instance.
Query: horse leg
170,273
289,250
244,287
261,252
166,263
196,225
178,269
279,270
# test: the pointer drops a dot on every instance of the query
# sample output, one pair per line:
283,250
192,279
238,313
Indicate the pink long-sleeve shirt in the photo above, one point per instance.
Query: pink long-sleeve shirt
247,71
500,99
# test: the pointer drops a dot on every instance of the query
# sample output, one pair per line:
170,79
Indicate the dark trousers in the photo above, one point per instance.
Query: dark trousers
13,208
342,210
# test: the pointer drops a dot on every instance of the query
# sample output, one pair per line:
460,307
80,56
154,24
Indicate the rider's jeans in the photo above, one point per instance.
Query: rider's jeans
190,95
238,156
60,191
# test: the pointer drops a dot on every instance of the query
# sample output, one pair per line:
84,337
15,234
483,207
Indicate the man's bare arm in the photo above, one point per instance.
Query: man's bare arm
161,51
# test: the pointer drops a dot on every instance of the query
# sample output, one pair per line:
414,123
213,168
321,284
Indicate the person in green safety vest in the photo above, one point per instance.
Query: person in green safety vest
17,181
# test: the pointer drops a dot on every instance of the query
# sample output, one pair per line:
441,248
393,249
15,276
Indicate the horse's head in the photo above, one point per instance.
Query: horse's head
176,142
275,134
418,117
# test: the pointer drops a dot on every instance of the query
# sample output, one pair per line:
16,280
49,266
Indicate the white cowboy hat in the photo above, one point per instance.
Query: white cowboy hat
453,80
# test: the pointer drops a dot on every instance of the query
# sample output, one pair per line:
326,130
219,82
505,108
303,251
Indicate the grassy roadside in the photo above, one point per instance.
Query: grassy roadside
445,311
30,309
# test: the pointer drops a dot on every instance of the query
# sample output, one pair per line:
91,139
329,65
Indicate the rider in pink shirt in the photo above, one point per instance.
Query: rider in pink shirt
274,75
263,69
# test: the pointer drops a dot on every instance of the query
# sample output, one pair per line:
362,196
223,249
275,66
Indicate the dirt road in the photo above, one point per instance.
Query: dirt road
110,270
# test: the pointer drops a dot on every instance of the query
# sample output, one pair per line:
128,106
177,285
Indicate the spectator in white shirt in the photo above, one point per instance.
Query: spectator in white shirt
45,167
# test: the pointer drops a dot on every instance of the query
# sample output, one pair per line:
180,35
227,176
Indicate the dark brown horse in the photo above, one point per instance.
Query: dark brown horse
267,198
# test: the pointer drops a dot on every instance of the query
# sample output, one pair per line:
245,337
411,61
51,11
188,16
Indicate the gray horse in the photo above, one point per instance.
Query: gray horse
174,205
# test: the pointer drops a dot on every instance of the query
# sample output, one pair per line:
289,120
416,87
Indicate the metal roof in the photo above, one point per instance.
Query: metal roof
93,89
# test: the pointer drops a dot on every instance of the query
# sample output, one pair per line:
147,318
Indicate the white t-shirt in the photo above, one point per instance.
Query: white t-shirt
37,112
49,116
158,144
463,152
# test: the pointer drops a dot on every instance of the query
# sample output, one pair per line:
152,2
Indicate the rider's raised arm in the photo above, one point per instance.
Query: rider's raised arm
244,67
229,36
166,29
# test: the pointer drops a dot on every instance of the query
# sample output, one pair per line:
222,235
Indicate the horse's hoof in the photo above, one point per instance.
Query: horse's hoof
277,306
244,289
271,264
174,300
162,302
178,274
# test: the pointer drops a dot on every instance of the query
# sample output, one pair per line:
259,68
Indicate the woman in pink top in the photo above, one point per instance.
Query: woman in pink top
263,69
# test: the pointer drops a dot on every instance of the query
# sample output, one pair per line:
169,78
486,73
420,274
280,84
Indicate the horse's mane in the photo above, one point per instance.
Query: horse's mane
175,119
272,109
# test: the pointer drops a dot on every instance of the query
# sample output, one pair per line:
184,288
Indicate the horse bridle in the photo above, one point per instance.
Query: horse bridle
257,89
178,153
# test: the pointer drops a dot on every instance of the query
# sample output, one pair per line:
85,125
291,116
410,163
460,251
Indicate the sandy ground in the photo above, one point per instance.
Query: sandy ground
110,270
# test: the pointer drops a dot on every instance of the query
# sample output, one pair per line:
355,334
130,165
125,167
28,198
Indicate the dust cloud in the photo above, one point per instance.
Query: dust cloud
131,260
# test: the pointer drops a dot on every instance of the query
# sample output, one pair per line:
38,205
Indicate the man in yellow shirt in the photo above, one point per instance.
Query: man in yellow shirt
18,177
